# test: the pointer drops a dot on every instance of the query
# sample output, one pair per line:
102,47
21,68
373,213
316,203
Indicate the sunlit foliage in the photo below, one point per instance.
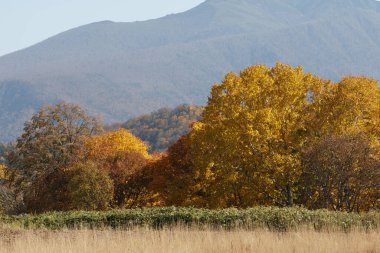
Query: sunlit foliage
247,147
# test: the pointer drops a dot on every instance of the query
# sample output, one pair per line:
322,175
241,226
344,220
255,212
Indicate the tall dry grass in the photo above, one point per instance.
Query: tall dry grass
186,241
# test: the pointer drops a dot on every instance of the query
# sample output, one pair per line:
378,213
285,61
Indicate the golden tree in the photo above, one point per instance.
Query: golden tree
246,147
343,146
350,106
2,172
110,144
121,155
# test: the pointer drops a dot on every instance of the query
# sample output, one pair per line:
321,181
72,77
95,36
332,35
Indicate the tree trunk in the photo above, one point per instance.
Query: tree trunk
289,195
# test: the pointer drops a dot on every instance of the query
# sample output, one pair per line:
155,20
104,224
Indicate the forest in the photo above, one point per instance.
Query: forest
162,128
266,137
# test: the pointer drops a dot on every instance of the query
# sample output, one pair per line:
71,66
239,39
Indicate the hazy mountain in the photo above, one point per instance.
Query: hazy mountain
120,70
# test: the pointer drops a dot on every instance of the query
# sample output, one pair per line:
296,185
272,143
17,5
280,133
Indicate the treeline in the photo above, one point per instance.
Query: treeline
267,137
164,127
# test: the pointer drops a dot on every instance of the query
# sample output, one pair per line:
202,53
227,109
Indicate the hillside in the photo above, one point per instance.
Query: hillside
120,70
3,149
164,127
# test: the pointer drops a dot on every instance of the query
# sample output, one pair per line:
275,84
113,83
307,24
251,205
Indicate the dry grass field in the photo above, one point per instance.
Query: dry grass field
186,241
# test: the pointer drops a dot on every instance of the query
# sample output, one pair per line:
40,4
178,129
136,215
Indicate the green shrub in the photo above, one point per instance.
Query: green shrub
271,218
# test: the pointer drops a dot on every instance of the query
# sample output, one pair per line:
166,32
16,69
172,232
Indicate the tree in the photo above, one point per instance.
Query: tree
89,188
121,169
49,145
121,155
2,172
8,202
3,190
174,177
247,144
341,173
350,106
349,114
140,189
107,145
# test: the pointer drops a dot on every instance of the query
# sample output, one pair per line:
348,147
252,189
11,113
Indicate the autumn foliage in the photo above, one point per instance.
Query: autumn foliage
340,173
256,125
109,145
121,155
267,136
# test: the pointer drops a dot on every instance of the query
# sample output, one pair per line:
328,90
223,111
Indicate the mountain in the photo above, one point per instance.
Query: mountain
119,70
164,127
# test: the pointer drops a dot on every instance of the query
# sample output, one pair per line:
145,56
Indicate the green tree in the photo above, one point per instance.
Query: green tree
89,188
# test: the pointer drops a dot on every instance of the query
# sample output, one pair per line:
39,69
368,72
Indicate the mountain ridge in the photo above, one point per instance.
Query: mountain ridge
120,70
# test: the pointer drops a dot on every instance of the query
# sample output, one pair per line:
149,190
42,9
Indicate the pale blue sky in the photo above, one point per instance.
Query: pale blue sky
26,22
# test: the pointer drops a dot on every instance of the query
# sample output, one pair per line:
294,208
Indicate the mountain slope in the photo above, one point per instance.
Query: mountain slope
120,70
162,128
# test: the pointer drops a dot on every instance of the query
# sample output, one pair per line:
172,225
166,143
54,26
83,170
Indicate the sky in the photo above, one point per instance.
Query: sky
26,22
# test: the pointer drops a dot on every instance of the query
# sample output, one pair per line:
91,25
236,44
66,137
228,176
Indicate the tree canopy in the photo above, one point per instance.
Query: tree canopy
341,173
111,143
120,155
247,146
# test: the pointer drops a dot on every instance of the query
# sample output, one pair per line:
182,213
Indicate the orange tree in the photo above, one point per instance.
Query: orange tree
174,179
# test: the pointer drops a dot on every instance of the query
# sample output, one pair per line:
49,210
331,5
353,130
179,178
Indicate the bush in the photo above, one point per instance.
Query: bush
273,218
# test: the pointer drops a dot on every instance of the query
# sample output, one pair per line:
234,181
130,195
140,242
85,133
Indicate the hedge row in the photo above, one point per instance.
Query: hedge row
278,219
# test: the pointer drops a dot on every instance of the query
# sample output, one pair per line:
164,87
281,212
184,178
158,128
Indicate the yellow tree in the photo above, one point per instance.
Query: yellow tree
2,172
246,147
350,106
2,189
121,155
109,144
